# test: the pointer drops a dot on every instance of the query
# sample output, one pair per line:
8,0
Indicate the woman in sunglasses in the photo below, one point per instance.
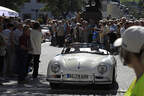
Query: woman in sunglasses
132,55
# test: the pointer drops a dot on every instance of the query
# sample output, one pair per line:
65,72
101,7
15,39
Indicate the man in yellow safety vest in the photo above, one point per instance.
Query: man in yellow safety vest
132,55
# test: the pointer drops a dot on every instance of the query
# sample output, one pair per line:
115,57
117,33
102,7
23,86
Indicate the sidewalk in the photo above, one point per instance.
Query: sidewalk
11,82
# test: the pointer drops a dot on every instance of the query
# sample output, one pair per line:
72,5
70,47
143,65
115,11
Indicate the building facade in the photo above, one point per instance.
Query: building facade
108,8
111,8
32,10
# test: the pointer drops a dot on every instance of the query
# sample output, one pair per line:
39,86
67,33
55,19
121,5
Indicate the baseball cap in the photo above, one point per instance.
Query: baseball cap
132,39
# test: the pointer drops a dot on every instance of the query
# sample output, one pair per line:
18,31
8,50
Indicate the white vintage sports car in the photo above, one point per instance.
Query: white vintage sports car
82,63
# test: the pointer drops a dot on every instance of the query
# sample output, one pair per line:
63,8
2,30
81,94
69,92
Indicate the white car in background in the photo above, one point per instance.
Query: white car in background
82,63
46,33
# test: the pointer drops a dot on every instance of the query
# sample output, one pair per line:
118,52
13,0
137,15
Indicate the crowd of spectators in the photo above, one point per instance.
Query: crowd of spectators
104,33
20,43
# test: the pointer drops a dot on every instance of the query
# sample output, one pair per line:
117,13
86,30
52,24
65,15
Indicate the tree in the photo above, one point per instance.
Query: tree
63,7
12,4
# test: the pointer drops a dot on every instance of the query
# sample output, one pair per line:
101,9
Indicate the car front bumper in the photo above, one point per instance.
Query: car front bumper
79,82
91,80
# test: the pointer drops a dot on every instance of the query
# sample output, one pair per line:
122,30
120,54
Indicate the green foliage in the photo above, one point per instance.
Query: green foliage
63,7
129,1
12,4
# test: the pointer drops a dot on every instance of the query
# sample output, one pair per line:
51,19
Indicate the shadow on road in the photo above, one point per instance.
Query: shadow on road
86,89
10,87
42,88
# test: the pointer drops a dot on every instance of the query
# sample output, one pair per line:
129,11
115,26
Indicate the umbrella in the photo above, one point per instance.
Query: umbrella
8,12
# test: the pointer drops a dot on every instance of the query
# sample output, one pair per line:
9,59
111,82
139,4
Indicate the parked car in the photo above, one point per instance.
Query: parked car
82,63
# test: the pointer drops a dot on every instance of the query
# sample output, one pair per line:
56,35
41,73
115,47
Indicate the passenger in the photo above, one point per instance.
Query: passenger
76,47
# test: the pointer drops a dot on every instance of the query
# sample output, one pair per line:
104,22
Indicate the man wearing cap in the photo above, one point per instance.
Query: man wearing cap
132,55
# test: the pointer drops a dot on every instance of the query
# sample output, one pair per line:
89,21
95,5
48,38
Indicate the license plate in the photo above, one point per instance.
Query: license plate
77,76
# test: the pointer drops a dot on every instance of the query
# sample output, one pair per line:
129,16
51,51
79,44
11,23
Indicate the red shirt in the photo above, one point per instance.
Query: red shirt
24,41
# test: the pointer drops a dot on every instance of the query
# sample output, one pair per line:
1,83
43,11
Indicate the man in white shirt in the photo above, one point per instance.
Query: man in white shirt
36,38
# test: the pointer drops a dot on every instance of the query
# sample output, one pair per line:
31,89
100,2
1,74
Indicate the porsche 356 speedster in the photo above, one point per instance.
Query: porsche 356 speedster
82,63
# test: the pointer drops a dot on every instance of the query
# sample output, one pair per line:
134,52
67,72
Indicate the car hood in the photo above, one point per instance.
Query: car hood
82,61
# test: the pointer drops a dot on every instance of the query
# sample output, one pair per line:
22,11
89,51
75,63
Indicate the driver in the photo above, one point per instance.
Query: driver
75,46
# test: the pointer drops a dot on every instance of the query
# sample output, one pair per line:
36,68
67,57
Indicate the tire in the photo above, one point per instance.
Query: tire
114,76
114,84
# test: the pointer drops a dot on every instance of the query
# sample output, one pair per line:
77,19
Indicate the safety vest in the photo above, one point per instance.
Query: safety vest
136,88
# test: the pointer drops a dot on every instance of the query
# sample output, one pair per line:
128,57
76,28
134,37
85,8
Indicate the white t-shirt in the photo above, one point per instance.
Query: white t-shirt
36,38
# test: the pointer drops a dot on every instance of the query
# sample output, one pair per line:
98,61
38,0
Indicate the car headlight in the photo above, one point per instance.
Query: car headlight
55,68
102,68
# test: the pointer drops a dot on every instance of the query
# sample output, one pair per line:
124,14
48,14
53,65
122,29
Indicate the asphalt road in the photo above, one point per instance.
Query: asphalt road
42,88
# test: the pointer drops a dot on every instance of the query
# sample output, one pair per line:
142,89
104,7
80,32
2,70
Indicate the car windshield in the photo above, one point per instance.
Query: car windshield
85,48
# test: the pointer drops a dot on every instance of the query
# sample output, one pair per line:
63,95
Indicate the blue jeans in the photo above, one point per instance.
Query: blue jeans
35,59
